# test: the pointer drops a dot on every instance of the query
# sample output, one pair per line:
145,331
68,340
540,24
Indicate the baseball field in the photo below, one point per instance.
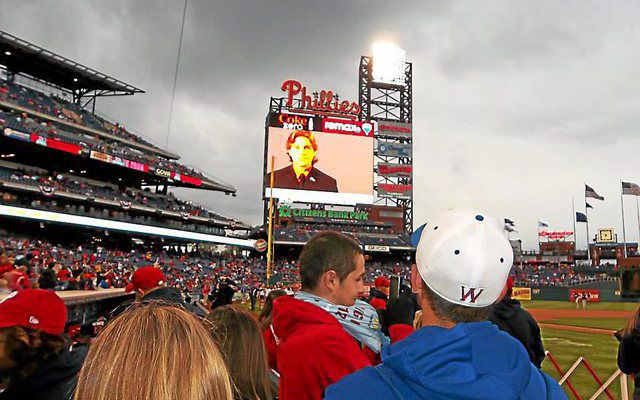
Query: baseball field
568,333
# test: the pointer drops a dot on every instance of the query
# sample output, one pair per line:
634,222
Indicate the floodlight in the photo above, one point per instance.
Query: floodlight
388,63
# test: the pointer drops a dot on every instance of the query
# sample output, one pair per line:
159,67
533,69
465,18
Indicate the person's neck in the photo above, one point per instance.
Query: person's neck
429,318
324,296
301,170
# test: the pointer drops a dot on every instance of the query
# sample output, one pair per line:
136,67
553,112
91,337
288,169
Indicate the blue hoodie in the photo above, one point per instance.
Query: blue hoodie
469,361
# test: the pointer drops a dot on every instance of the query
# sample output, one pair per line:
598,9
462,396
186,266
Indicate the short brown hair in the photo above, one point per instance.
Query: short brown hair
325,251
447,311
154,351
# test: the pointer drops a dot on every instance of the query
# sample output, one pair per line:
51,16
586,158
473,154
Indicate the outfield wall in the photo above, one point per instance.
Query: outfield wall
562,294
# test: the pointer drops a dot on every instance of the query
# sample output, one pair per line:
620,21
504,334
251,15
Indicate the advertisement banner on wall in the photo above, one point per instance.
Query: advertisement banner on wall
100,156
394,149
163,173
590,295
388,169
375,247
395,190
521,293
394,129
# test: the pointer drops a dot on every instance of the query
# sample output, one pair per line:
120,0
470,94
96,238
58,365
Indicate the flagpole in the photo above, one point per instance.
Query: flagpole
624,234
586,214
638,213
573,208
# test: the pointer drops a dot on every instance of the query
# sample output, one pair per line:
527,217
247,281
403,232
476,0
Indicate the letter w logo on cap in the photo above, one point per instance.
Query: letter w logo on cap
470,293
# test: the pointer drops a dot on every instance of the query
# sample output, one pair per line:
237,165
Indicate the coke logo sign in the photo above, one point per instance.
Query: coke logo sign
295,122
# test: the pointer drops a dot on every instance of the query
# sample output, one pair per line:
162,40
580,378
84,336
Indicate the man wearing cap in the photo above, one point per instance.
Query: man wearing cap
509,316
149,284
463,260
34,351
379,294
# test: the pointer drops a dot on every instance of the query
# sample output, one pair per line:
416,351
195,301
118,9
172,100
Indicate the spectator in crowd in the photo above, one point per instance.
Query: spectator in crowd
48,278
510,317
463,261
629,350
149,284
224,292
34,352
155,352
265,319
238,335
6,264
18,278
379,294
253,295
321,323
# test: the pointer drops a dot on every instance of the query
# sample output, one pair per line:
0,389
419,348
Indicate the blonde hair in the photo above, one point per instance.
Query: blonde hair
237,333
154,351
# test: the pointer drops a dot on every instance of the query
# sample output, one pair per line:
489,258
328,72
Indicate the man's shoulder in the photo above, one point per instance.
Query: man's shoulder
319,175
367,383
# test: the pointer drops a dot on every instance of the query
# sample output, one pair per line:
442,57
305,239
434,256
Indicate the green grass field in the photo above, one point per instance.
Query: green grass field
599,349
565,305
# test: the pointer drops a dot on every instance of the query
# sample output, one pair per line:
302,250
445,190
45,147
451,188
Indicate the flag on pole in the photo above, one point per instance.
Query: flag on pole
509,228
630,188
580,217
589,192
509,222
587,205
542,225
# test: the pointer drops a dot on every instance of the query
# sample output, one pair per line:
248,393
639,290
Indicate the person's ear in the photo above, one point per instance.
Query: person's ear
416,280
331,280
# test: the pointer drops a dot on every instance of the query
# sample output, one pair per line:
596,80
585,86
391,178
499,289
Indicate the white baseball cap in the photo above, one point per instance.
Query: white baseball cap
465,257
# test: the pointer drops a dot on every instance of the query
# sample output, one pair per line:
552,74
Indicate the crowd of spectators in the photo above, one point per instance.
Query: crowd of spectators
554,274
44,104
78,185
101,212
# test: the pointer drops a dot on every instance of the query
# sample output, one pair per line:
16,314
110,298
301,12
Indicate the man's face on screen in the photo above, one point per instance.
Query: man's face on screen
302,153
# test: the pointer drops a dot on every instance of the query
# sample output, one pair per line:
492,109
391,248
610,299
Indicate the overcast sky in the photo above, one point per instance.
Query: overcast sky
516,104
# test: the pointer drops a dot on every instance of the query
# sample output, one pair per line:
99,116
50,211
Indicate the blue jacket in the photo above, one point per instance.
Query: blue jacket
470,361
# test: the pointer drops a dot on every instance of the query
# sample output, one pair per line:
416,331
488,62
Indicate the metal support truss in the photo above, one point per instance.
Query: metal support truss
385,102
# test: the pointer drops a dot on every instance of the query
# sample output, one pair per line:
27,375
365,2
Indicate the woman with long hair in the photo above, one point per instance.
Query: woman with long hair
629,350
237,333
265,318
154,351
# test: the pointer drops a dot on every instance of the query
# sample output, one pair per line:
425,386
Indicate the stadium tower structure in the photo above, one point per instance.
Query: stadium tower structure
62,164
390,102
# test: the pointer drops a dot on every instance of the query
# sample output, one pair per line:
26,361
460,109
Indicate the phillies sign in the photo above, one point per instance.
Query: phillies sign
324,101
348,127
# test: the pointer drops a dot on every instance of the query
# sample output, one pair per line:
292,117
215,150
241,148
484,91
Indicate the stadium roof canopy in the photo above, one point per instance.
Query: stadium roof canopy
20,56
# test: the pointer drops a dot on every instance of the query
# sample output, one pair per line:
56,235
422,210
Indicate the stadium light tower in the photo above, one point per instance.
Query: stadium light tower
385,88
388,63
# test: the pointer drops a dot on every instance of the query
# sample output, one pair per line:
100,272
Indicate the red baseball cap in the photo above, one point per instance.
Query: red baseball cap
146,278
382,281
36,309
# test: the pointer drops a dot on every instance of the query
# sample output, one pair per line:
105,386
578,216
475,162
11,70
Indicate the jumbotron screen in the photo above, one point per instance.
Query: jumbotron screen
319,160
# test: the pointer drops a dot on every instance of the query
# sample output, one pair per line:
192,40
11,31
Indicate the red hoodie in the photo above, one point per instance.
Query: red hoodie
314,351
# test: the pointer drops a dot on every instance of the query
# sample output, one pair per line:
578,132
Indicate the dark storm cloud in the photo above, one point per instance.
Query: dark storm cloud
504,92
